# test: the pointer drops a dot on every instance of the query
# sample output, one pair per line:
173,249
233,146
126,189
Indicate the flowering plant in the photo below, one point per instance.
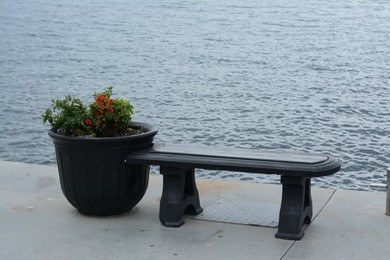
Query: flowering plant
105,117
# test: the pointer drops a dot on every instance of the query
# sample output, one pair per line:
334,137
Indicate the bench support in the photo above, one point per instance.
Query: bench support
296,209
180,196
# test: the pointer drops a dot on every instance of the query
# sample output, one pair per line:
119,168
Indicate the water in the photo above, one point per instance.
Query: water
283,74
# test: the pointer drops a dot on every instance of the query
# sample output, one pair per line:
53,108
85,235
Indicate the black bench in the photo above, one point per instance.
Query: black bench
180,195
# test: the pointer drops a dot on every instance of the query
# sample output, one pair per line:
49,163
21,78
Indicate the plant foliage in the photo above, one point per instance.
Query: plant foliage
105,117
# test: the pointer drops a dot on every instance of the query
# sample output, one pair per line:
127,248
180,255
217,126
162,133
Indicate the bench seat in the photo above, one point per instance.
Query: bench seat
180,196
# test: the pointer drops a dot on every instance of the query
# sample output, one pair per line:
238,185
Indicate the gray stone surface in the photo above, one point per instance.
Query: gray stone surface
36,222
352,226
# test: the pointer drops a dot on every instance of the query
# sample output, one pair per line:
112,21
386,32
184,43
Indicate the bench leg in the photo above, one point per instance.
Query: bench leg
180,196
296,209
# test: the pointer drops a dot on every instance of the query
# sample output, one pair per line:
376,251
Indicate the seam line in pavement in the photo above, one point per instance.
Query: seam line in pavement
319,212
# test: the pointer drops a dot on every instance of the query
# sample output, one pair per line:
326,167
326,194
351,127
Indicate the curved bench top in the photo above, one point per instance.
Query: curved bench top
237,159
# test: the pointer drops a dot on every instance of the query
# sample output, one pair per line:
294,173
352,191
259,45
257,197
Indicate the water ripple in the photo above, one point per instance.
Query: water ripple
310,76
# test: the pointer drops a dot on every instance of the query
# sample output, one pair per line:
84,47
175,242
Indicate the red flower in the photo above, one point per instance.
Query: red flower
100,99
100,103
88,121
99,124
109,107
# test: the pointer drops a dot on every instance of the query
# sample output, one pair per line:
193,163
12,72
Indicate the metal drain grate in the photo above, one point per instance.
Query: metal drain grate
242,212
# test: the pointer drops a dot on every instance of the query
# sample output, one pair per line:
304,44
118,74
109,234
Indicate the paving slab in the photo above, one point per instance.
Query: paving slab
36,222
353,225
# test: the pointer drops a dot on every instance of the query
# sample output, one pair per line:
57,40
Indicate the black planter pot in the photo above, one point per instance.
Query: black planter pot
93,175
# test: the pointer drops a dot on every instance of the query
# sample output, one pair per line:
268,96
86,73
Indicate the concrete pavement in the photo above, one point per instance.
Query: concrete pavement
36,222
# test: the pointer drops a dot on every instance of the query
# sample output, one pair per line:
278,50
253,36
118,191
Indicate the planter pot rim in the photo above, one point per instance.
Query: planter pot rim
150,131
